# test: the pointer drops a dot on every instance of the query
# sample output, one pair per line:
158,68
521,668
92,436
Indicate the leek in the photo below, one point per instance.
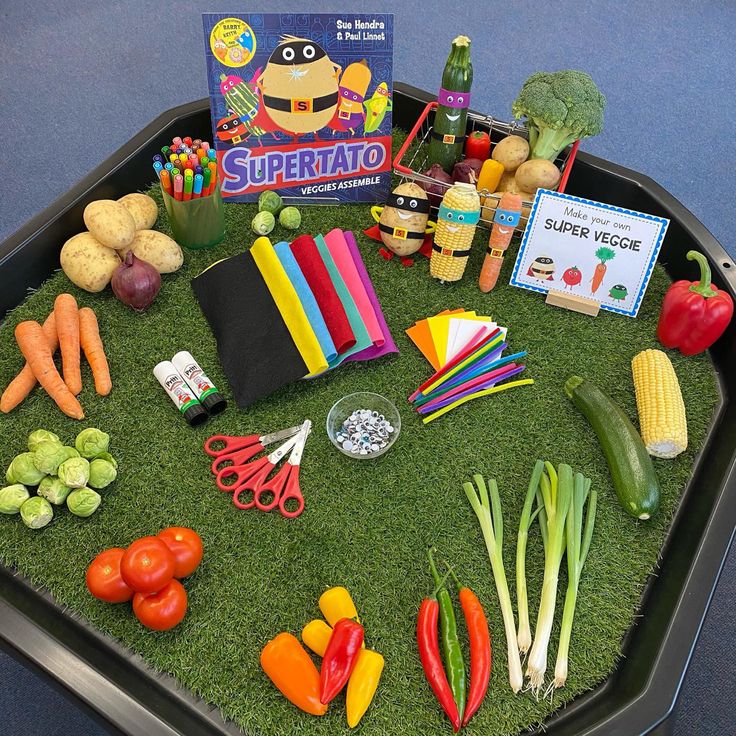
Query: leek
491,523
578,544
556,496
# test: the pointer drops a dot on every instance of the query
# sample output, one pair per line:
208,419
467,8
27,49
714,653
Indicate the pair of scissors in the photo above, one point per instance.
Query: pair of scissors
238,450
284,486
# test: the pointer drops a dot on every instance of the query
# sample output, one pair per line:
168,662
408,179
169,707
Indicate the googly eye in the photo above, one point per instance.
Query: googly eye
460,100
449,216
461,218
450,98
399,200
412,203
288,54
309,52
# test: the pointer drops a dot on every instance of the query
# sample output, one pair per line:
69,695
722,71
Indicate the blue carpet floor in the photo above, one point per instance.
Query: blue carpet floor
79,78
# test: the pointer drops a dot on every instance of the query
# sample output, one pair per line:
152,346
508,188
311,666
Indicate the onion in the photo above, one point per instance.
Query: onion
436,191
136,282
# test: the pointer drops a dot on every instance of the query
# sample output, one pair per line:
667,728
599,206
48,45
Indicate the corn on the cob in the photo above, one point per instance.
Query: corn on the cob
452,240
660,405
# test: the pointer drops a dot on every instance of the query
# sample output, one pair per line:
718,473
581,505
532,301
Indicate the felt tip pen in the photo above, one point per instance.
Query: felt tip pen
174,159
198,170
177,141
178,187
187,140
158,166
207,174
197,188
158,157
213,168
196,143
175,171
169,166
205,146
165,152
188,183
166,182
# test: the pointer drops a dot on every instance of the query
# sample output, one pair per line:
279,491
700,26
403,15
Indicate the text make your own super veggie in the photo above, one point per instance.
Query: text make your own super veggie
600,236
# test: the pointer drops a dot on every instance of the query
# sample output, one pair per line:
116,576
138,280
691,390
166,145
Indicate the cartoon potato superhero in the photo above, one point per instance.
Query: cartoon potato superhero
403,223
542,268
505,220
231,129
353,87
299,86
377,107
618,292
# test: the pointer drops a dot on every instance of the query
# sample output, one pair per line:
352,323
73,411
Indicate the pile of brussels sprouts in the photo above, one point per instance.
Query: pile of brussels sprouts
270,207
61,474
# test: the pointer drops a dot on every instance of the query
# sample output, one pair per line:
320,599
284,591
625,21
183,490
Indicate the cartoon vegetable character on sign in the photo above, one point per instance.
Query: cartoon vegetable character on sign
377,107
618,292
603,255
572,277
352,90
542,268
242,101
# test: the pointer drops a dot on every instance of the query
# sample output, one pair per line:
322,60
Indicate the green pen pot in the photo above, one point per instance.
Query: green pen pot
198,223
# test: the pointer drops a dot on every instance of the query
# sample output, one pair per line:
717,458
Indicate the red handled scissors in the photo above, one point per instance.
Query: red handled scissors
238,450
284,486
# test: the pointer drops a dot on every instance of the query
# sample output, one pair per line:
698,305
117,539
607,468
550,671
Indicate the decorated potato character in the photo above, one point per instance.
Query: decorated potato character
299,86
542,268
404,220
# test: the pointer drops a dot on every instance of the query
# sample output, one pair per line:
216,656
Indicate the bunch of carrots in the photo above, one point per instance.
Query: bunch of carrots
68,329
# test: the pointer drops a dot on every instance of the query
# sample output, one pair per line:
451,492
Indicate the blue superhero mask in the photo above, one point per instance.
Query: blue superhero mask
507,218
458,217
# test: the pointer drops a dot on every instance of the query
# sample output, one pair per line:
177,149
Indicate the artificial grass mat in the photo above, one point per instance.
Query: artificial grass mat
367,524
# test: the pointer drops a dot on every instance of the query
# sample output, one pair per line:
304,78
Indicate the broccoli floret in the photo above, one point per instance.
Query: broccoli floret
559,107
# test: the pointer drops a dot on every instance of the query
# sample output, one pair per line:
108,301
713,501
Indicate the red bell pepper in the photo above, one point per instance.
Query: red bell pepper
478,145
694,313
340,658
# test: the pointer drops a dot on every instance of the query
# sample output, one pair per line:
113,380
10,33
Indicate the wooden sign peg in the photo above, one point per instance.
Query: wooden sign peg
573,302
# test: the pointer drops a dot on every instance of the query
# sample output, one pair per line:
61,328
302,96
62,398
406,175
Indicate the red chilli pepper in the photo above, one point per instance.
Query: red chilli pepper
340,658
480,649
429,653
694,313
478,145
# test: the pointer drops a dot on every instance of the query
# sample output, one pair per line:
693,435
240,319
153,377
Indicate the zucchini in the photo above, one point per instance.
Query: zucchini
450,120
631,467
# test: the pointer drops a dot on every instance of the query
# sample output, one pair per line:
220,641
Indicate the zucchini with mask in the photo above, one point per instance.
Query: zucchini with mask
448,131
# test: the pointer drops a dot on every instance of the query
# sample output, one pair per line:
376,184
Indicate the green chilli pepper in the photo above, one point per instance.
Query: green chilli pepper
451,651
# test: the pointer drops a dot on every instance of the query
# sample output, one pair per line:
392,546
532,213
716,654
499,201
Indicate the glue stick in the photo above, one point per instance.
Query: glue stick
179,392
208,395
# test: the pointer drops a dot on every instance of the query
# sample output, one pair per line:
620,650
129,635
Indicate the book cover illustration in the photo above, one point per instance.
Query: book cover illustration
301,103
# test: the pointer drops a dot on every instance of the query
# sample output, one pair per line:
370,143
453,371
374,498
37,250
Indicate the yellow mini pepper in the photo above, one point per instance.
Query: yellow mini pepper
336,603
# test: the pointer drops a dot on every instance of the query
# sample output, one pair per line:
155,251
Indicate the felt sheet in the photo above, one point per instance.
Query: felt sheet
287,302
461,329
315,272
439,328
362,339
388,345
420,335
338,248
257,352
306,297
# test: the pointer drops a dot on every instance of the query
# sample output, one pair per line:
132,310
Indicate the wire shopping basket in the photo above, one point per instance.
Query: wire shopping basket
411,160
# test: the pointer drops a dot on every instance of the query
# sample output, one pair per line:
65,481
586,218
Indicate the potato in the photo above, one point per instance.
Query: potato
143,209
507,183
538,173
163,253
512,151
110,223
87,263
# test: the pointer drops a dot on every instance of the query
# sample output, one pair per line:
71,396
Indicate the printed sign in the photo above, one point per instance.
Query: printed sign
589,249
301,103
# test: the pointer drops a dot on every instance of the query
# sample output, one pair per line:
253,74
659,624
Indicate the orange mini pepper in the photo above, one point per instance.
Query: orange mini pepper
292,670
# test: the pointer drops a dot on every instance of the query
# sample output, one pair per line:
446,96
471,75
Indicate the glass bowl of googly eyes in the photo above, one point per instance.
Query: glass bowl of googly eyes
363,425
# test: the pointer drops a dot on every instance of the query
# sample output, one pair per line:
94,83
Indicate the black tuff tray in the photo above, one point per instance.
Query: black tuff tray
128,696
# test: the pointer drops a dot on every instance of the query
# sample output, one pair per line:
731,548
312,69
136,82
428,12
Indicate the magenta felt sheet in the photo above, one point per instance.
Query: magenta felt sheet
388,346
345,263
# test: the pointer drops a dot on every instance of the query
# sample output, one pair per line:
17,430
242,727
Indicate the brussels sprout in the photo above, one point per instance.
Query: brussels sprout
53,490
41,435
74,472
48,455
101,473
91,442
12,498
23,470
263,223
107,456
270,202
9,477
36,512
83,501
71,452
290,218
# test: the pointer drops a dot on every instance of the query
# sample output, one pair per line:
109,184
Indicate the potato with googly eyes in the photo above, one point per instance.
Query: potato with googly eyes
404,221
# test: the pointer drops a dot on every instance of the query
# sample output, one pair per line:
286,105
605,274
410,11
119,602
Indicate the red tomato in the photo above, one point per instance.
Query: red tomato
478,145
147,565
103,577
163,610
573,276
186,546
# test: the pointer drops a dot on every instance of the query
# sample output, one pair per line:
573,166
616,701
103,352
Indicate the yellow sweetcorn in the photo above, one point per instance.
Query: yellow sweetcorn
659,401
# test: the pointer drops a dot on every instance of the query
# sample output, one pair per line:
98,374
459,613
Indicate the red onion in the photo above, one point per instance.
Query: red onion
136,282
435,192
467,170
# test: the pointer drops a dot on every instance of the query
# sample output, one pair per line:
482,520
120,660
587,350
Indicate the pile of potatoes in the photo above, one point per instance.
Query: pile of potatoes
522,175
114,228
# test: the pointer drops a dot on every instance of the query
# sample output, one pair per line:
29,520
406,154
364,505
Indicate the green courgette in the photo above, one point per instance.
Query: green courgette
450,120
631,467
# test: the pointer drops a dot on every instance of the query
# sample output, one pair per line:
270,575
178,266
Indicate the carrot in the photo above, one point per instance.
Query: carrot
94,351
35,348
67,327
602,254
24,382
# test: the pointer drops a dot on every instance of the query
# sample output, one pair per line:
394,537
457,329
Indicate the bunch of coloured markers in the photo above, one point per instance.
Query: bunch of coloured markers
187,169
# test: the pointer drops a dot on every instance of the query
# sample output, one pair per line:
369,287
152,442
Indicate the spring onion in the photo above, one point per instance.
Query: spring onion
556,498
491,523
524,635
578,544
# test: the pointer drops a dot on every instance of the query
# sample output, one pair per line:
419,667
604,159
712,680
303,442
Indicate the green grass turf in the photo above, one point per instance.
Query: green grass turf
367,523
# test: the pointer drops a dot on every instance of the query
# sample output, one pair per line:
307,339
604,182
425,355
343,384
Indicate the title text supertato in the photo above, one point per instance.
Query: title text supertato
573,229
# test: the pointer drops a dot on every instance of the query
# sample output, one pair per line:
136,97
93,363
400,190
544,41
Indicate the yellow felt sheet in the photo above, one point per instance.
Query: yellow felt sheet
420,335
